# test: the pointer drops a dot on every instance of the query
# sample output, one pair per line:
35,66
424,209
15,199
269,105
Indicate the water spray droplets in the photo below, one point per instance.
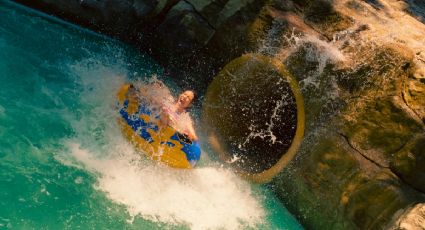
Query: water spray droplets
268,133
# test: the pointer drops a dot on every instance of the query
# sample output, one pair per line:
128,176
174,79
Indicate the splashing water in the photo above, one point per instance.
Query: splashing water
201,198
268,133
390,22
374,23
64,162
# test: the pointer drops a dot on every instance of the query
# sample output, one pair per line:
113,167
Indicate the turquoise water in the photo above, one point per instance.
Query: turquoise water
63,161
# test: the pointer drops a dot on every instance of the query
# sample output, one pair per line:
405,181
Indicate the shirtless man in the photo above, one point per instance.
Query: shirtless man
173,113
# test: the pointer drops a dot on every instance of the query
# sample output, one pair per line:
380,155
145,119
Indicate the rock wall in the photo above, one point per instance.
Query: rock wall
411,219
361,162
192,38
355,171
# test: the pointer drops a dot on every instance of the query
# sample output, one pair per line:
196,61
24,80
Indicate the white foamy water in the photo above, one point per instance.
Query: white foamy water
388,22
201,198
324,52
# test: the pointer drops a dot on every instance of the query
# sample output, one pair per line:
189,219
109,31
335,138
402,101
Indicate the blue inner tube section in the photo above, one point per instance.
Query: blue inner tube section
192,149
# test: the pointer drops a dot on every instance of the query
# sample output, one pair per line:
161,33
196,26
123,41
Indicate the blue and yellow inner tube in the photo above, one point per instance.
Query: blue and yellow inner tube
161,143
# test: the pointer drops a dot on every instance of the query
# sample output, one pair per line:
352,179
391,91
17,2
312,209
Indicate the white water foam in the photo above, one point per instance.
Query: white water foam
202,198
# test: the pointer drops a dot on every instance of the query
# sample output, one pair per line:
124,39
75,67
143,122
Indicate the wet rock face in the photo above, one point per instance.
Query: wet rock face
184,29
380,124
361,161
410,219
321,15
192,38
112,17
415,8
409,163
414,90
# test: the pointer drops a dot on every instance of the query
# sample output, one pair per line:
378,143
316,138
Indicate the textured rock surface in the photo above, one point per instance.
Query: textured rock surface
184,30
409,162
191,38
411,219
361,162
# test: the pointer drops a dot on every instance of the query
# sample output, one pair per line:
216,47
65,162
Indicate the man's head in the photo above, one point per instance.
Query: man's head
185,99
